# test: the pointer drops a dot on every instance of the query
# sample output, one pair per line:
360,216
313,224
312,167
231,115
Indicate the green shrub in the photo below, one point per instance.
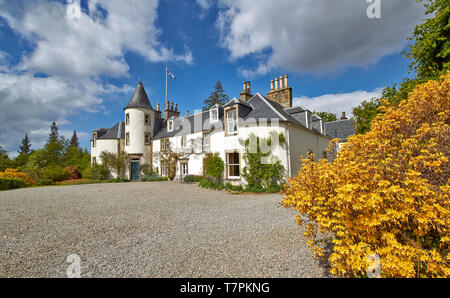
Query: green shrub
214,167
55,173
34,174
118,180
192,178
43,182
205,183
154,178
6,183
148,170
254,188
96,172
273,188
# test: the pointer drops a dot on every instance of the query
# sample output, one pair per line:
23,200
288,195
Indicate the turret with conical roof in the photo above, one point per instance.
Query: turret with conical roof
140,120
139,98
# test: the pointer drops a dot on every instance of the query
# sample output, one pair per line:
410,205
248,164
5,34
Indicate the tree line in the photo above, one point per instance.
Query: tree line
58,153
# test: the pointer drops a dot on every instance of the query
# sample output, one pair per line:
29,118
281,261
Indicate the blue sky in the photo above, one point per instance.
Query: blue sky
81,72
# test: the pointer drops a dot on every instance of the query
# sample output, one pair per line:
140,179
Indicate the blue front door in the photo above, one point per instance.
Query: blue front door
135,170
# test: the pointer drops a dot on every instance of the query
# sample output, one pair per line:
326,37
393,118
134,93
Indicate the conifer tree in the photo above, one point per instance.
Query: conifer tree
25,148
74,140
53,136
218,96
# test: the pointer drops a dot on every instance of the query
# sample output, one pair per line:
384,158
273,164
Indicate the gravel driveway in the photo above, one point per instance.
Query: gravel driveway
153,229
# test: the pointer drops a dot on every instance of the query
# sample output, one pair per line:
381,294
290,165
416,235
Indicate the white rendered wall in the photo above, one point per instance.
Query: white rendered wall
104,145
221,144
137,129
300,141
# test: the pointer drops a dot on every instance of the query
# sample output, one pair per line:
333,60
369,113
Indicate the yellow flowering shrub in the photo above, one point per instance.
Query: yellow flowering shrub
15,174
386,193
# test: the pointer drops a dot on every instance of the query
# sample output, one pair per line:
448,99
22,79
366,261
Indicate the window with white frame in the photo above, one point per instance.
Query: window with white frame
127,119
94,139
147,120
170,125
164,144
233,165
127,138
164,168
232,121
214,115
183,141
206,138
184,168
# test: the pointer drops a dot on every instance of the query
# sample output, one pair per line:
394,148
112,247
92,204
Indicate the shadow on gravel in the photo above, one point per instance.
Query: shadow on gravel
323,260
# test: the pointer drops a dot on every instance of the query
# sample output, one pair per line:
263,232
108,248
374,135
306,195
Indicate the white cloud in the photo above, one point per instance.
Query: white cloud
313,36
205,4
337,103
75,54
30,104
93,44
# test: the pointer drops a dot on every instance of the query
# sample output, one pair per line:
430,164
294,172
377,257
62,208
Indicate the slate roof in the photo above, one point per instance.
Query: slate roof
250,111
115,132
256,108
341,129
139,98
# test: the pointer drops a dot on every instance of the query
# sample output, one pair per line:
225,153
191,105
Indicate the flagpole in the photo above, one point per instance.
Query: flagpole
166,86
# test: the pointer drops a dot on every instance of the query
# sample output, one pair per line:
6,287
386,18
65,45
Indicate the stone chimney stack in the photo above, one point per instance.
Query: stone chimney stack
281,94
343,116
246,92
170,110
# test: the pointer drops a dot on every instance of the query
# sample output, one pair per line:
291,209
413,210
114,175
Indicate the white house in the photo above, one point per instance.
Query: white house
145,132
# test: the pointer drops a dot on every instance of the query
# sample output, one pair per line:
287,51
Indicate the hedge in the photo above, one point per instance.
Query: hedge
6,183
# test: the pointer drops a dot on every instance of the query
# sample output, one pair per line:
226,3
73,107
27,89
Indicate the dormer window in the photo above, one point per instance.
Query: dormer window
231,121
170,125
214,115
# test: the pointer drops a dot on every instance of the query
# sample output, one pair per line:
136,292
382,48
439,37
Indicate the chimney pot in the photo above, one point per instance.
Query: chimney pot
157,106
176,107
343,116
281,82
276,84
244,86
286,81
187,113
271,85
248,87
171,106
